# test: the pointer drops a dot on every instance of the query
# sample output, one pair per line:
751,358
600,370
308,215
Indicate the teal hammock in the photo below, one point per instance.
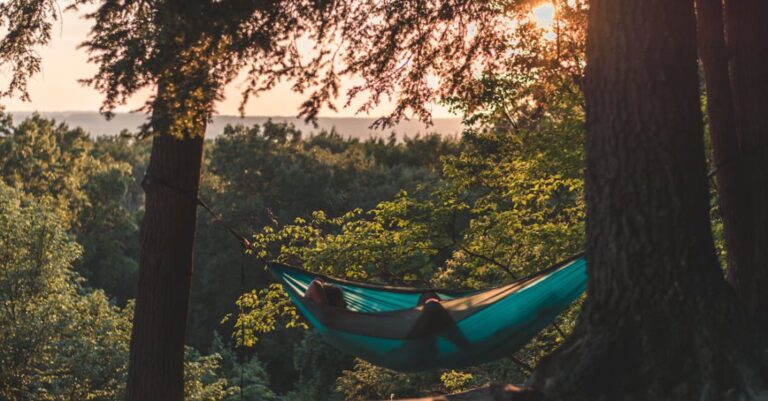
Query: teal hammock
385,325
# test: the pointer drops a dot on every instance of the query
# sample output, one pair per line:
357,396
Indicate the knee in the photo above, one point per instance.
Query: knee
316,292
426,297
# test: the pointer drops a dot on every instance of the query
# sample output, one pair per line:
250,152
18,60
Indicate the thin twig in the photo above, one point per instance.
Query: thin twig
496,263
521,364
558,329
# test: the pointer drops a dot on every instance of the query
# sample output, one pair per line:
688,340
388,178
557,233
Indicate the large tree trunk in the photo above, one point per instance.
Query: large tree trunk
156,367
659,322
743,175
186,90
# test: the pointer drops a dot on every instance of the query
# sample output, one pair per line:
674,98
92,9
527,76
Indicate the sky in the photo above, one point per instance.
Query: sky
56,87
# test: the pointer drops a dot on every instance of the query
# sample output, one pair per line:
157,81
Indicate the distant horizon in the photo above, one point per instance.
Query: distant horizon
362,117
353,127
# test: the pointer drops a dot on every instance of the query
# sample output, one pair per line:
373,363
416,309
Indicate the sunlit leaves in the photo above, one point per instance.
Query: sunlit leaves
367,382
57,341
63,341
84,186
455,381
261,311
200,380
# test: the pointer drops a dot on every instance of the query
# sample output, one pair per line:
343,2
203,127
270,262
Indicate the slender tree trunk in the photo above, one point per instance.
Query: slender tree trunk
659,322
743,176
156,367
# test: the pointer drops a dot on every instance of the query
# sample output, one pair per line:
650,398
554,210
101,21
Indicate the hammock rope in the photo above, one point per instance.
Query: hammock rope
150,179
241,349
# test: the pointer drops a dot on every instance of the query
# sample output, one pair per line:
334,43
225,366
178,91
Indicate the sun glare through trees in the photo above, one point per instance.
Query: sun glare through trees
544,15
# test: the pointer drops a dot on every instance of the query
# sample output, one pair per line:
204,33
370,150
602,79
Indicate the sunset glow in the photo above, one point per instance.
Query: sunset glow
56,87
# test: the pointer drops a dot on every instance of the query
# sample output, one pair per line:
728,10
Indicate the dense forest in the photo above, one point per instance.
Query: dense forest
137,266
426,210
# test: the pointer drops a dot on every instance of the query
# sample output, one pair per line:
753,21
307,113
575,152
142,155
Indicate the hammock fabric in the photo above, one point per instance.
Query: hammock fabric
385,325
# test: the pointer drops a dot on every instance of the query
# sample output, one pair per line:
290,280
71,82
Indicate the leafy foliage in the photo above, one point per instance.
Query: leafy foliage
318,365
251,372
190,60
62,341
57,342
100,206
46,159
26,24
89,190
421,52
368,382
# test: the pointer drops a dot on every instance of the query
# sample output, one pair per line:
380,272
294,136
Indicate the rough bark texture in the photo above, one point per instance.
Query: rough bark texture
743,179
659,322
165,268
186,91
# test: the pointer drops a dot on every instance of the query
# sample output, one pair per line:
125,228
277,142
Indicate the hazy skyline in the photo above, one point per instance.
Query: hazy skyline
56,87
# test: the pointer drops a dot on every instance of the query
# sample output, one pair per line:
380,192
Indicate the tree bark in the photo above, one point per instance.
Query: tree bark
186,91
156,365
743,178
660,322
732,177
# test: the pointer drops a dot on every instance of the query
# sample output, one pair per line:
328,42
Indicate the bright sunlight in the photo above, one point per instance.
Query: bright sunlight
544,15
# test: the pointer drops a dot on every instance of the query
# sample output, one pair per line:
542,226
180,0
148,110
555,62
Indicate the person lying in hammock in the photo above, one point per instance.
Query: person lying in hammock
433,317
323,293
